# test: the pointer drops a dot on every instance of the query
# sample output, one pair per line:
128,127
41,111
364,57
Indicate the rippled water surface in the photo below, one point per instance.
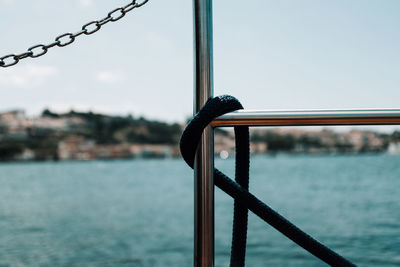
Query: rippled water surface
140,212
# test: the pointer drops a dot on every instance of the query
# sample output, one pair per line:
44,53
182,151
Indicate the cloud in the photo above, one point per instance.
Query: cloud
6,1
86,3
110,77
26,76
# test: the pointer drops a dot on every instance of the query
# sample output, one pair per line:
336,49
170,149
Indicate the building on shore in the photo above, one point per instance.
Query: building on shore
77,148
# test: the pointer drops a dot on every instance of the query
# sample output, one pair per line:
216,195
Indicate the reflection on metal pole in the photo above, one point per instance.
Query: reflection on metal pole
204,163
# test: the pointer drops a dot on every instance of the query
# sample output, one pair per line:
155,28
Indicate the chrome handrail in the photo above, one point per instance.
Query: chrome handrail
204,161
309,117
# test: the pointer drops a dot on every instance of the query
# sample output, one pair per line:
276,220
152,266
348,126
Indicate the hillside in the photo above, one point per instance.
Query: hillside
46,137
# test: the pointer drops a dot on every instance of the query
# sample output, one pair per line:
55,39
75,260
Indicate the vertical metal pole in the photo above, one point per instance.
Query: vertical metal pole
204,163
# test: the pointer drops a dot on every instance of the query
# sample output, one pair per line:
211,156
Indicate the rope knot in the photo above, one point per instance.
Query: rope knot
238,189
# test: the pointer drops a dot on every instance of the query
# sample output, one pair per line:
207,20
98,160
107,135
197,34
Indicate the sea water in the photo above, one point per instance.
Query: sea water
140,212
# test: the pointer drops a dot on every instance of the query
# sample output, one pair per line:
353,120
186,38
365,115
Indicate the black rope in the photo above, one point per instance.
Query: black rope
240,211
238,190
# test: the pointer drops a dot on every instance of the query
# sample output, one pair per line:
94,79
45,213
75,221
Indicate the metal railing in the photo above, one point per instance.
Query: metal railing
309,117
204,163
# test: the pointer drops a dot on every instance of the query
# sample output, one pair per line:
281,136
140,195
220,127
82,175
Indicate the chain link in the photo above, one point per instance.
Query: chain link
68,38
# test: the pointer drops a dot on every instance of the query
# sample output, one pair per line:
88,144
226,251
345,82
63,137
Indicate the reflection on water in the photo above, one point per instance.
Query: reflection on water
139,213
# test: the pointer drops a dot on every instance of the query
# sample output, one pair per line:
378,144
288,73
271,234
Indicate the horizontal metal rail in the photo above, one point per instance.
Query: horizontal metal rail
309,117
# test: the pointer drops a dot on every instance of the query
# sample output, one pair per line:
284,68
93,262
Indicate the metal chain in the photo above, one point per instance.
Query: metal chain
68,38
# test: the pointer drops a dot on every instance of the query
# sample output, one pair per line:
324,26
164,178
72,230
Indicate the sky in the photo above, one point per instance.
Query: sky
288,54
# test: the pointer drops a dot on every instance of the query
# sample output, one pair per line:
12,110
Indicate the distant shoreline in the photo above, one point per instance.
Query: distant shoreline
90,136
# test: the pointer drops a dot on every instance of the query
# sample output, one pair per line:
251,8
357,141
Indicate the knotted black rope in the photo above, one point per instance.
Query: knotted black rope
239,190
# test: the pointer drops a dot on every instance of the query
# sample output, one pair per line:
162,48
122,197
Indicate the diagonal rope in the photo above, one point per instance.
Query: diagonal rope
190,138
